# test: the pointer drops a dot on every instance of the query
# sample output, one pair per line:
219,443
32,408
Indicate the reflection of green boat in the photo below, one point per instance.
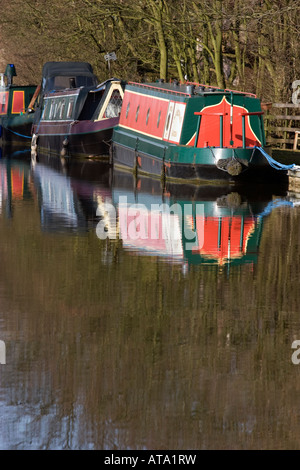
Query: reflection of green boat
220,226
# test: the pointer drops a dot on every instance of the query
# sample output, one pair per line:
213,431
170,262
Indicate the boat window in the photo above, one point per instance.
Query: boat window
52,109
57,110
62,109
147,116
158,119
168,119
177,121
127,109
61,82
45,110
113,108
137,113
168,122
70,108
3,102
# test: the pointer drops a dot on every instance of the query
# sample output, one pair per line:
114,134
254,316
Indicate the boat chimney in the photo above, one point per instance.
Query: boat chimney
9,73
2,83
190,89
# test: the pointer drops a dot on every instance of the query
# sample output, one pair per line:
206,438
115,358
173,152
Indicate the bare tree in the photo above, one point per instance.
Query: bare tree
251,45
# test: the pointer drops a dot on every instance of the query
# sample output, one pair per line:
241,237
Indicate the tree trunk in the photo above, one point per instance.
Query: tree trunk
157,9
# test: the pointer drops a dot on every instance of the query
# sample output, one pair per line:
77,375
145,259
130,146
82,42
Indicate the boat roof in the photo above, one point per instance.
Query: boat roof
187,88
62,75
52,69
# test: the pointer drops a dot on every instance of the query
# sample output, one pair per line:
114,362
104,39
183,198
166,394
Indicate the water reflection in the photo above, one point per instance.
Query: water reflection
219,225
184,224
14,182
67,204
110,347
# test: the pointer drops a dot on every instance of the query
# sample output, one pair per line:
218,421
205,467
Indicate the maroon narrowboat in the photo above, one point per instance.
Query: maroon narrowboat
76,115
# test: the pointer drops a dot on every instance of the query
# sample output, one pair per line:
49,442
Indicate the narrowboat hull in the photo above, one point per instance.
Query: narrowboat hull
81,139
196,165
16,130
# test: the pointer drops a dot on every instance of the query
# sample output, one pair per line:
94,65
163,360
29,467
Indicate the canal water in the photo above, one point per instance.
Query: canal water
137,317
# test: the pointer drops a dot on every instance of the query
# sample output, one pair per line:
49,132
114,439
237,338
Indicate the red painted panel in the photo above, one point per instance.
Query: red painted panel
209,134
18,104
148,106
3,102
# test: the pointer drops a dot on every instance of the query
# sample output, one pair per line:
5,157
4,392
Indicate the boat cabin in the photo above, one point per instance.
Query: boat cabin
14,99
84,103
193,115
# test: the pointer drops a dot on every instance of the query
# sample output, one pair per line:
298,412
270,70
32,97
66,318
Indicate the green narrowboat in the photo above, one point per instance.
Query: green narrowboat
16,117
192,131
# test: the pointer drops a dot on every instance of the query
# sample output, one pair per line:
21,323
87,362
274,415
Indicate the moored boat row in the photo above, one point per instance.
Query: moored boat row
172,131
69,110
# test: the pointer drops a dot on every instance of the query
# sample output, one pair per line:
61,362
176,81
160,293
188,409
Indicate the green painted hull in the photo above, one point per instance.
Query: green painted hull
147,156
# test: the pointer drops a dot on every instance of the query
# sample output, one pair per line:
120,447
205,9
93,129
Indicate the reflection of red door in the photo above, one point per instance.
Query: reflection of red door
225,237
17,183
211,119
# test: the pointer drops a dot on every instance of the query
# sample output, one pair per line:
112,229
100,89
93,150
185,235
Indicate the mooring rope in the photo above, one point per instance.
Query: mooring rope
274,164
274,204
20,135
